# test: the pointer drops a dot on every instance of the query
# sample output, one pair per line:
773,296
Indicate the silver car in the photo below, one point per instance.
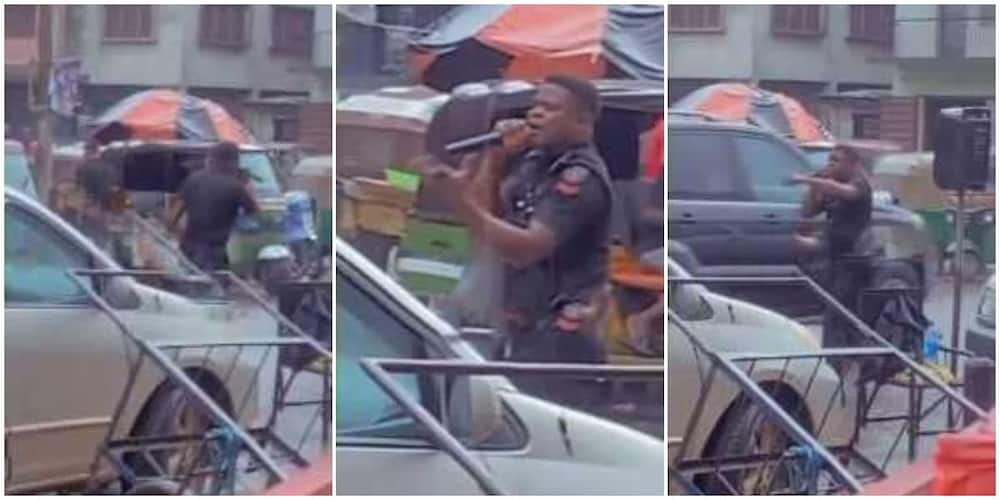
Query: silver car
66,363
981,332
732,326
529,446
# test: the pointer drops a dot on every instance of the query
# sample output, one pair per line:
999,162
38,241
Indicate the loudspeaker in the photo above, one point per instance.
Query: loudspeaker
962,148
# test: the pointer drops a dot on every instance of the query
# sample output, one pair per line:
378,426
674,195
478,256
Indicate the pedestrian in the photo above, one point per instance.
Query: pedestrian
212,198
843,192
542,199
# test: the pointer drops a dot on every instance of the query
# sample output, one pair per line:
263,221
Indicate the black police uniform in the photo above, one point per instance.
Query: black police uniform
851,249
551,307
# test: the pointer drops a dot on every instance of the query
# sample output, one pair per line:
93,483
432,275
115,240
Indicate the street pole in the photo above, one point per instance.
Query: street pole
41,106
956,313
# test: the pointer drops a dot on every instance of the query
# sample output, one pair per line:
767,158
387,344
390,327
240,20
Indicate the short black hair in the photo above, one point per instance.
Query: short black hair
225,154
587,98
851,154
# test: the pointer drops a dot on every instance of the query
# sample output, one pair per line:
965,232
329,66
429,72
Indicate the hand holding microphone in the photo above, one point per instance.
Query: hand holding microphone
512,135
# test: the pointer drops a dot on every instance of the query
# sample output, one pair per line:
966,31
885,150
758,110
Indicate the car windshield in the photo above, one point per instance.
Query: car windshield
261,171
17,174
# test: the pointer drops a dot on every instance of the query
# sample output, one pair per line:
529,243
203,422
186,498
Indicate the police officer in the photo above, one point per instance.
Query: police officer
843,192
543,200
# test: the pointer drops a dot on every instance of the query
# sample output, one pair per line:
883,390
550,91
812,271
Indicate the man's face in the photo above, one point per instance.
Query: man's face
552,119
838,163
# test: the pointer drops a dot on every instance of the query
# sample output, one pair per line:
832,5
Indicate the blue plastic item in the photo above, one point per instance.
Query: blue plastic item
932,343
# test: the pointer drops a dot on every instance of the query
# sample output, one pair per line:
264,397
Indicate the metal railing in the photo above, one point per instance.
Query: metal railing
380,371
809,455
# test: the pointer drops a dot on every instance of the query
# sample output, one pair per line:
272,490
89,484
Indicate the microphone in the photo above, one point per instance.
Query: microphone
473,143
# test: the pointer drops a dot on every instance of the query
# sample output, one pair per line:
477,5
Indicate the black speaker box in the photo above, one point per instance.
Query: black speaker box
962,148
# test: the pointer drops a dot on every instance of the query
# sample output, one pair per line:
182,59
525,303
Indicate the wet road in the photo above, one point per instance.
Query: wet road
879,441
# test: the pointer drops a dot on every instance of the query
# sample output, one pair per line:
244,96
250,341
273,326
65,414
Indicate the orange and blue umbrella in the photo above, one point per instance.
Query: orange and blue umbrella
745,103
163,114
483,42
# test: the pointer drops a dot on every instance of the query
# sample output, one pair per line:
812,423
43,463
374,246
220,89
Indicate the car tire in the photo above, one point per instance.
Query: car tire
735,435
169,412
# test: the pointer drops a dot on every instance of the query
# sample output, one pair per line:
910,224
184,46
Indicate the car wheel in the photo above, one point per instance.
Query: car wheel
747,430
171,412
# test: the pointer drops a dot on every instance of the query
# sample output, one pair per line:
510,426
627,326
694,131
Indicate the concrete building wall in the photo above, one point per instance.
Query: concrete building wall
748,50
724,56
175,56
145,64
829,58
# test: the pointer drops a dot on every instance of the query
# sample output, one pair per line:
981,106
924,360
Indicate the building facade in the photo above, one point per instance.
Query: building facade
263,63
945,56
806,51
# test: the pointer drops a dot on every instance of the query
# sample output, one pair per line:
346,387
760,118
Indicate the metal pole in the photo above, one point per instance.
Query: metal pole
43,152
956,311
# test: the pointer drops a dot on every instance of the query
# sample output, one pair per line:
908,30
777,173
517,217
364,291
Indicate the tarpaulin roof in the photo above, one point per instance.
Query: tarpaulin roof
164,114
477,42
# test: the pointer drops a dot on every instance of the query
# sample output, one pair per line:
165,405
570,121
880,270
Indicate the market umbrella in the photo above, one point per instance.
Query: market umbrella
482,42
163,114
771,110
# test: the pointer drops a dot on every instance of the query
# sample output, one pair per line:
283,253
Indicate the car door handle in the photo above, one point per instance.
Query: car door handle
687,218
771,218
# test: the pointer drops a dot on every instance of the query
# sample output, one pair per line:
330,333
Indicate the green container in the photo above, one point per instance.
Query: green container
432,255
937,224
443,241
407,181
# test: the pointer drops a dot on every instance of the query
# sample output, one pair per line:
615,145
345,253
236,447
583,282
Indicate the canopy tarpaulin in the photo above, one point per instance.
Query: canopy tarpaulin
164,114
740,102
481,42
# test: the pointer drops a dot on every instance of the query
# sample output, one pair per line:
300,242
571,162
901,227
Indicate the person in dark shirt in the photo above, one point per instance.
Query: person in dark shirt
212,198
841,190
543,201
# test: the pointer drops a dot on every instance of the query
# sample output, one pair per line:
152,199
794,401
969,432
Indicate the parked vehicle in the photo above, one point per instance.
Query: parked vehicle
530,445
66,363
17,169
733,326
981,330
732,212
155,169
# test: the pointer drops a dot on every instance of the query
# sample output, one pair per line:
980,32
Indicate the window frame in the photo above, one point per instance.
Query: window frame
747,167
278,43
790,31
397,311
742,191
47,230
205,40
864,33
149,37
33,25
705,28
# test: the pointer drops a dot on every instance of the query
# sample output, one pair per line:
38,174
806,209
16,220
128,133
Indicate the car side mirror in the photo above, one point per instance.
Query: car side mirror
119,294
475,412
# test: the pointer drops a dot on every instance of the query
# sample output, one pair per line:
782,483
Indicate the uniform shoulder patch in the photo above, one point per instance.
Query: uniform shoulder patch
571,179
574,175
